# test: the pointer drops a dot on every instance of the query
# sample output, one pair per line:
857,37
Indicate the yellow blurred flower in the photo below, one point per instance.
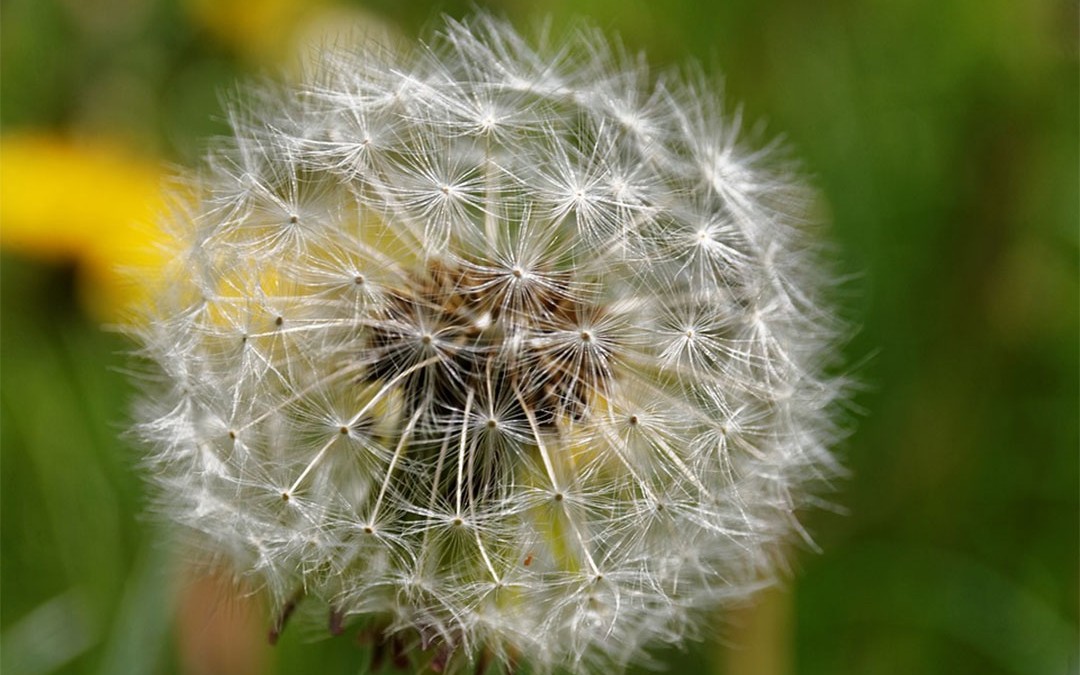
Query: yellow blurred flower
260,30
92,203
286,32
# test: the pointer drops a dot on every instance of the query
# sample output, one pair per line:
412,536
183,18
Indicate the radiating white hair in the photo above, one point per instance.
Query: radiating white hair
516,350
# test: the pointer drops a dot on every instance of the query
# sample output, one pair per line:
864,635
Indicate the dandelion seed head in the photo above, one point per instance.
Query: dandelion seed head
513,348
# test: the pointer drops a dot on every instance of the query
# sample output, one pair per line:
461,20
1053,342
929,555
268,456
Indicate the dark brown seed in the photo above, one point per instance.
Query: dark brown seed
336,622
283,617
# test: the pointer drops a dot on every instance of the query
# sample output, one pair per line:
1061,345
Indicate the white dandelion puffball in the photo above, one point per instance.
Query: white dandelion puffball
514,352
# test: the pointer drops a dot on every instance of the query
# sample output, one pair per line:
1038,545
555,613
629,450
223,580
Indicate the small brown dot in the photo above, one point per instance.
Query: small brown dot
492,423
426,338
558,496
232,435
284,496
368,529
634,420
358,280
457,522
517,272
294,219
344,430
279,321
586,336
243,339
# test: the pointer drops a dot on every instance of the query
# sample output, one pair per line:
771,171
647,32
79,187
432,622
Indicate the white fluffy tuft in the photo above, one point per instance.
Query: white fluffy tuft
514,350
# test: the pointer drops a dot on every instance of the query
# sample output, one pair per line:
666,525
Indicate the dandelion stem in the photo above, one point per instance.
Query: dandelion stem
531,416
461,449
405,434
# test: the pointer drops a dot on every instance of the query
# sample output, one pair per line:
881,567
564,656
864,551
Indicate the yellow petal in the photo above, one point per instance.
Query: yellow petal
261,30
91,203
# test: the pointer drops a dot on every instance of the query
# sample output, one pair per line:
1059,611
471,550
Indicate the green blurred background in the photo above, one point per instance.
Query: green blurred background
943,136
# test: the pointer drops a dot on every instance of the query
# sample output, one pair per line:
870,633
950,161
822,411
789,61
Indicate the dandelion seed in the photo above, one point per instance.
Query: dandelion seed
508,350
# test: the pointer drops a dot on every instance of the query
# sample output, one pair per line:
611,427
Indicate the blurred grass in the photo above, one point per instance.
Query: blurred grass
944,138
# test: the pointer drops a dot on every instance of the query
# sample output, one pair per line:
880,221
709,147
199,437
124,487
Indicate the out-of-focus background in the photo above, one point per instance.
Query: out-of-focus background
943,137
